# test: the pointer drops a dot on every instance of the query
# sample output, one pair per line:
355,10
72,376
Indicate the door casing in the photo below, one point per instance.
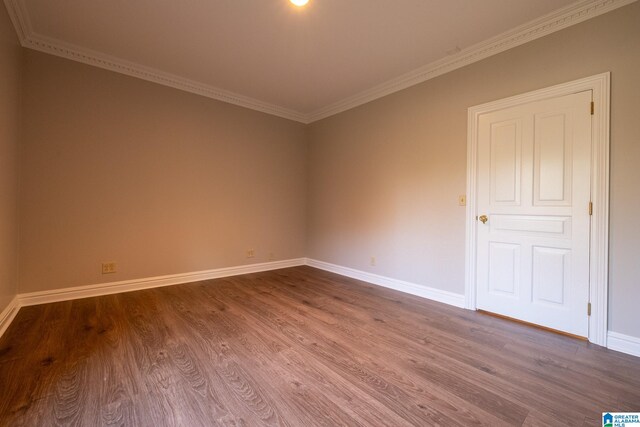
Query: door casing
599,229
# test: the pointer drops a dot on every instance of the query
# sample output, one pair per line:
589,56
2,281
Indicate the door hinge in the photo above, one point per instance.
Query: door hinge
590,208
588,309
593,107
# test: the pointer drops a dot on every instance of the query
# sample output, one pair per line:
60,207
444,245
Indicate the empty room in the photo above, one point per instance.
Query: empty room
320,212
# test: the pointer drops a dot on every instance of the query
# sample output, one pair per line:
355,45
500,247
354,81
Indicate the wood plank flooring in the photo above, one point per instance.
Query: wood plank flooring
297,347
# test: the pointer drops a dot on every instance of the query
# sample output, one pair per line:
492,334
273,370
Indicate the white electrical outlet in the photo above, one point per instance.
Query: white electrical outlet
250,253
108,267
373,260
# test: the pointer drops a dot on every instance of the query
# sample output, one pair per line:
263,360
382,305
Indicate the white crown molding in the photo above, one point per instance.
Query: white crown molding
446,297
550,23
30,39
562,18
20,18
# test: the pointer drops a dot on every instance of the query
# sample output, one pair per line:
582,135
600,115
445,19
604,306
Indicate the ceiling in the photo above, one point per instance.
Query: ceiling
300,63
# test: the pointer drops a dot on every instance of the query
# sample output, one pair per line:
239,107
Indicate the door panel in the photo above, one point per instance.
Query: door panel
506,159
527,225
504,268
534,186
552,160
550,270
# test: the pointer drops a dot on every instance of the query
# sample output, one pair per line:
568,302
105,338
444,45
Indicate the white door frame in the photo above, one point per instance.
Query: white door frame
599,246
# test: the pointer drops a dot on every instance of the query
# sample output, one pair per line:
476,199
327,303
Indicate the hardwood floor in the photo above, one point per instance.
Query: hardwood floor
298,347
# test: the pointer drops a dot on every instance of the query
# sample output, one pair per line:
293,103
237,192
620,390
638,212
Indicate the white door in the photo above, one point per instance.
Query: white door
534,164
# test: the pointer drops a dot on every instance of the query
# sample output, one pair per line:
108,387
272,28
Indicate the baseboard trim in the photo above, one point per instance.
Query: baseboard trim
615,341
446,297
65,294
623,343
8,314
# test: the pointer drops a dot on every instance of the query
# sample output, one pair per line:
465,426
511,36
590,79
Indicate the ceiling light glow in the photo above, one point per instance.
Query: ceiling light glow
299,3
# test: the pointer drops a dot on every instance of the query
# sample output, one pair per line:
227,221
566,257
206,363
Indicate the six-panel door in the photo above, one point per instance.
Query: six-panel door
534,164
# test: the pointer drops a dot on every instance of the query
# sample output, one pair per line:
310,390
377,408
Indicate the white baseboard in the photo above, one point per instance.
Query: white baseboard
623,343
8,314
65,294
615,341
434,294
77,292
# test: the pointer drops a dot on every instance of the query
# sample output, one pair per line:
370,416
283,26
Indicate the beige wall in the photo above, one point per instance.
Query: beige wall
10,66
161,181
158,180
384,178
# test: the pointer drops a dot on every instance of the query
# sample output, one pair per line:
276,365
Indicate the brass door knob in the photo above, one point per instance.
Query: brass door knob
483,218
